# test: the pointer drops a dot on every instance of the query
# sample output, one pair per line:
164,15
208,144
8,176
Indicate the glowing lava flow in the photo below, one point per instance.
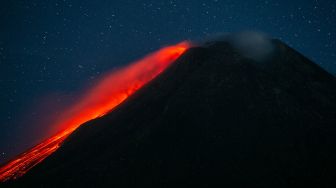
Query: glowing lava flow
107,94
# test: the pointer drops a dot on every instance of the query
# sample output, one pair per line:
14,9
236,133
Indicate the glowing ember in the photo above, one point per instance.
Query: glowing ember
107,94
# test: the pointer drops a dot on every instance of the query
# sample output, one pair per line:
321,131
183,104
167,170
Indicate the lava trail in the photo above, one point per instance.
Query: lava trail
110,91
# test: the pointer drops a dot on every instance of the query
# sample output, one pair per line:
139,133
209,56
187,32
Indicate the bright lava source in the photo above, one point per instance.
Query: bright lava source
109,92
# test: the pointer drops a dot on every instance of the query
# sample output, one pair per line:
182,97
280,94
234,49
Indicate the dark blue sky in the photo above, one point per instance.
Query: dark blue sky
49,49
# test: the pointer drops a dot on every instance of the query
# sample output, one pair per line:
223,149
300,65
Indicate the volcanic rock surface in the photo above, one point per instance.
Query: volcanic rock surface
213,118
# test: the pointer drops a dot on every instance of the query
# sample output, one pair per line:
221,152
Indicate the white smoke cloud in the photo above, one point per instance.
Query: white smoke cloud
254,45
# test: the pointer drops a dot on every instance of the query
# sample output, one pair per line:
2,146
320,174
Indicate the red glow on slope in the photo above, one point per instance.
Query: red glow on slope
107,94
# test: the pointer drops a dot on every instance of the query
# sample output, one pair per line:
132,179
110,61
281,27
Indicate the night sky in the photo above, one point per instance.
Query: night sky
51,49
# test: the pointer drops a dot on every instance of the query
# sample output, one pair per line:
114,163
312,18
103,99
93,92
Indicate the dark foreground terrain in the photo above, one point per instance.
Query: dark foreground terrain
214,118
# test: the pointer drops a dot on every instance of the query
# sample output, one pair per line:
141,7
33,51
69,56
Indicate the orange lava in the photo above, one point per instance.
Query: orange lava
110,91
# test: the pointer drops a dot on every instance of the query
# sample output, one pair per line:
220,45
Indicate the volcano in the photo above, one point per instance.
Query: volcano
213,118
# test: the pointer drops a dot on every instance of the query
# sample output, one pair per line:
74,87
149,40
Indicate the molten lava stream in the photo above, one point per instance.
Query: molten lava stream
110,91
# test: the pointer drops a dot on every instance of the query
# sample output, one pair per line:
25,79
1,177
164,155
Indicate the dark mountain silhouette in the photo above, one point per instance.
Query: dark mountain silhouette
214,118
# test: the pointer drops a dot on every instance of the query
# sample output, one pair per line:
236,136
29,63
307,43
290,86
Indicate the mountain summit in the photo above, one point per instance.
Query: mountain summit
215,117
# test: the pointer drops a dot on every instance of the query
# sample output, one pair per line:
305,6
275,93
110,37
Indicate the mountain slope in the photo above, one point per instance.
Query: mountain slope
213,118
